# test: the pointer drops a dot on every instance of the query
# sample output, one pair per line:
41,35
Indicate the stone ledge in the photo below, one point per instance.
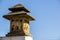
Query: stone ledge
17,38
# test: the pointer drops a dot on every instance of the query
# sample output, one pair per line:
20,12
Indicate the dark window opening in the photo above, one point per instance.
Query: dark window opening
17,27
20,20
12,20
12,29
26,21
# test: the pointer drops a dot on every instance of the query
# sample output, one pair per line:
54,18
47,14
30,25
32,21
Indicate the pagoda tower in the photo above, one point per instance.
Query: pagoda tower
19,18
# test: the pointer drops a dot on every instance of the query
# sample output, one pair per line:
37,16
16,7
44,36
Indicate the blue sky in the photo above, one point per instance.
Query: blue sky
47,15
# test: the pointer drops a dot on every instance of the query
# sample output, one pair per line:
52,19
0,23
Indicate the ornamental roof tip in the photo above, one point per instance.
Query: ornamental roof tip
19,6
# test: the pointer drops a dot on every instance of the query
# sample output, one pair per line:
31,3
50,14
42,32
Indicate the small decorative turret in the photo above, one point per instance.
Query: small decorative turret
19,21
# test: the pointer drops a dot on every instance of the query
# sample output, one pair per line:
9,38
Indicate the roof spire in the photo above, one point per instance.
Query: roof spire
18,7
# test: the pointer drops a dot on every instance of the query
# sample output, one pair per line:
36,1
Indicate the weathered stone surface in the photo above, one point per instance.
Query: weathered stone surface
19,21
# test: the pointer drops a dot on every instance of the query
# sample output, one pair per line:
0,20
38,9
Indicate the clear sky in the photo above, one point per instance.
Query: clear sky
47,15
